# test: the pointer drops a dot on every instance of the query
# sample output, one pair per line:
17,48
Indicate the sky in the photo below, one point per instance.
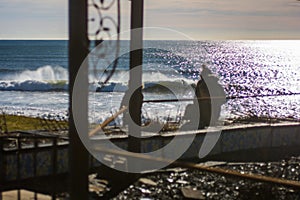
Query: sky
198,19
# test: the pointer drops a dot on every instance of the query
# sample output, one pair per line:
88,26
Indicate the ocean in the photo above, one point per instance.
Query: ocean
34,78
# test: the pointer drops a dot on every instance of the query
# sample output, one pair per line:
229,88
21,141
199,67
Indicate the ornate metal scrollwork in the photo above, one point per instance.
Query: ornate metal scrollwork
102,27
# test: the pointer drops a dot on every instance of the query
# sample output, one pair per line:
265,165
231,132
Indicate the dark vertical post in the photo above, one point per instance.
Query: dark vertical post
54,166
78,49
35,151
135,80
2,169
19,145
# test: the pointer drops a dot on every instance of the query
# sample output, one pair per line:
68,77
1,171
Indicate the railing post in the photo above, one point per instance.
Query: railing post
2,171
19,146
54,166
35,151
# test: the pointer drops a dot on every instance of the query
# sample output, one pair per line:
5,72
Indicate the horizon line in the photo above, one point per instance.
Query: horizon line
243,39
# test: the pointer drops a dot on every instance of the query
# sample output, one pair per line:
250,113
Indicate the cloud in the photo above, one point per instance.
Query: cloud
210,17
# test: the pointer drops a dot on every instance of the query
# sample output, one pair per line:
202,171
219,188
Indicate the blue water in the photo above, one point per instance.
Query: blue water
16,56
33,77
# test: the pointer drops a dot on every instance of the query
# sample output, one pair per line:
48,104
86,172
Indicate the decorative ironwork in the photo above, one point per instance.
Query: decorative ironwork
102,27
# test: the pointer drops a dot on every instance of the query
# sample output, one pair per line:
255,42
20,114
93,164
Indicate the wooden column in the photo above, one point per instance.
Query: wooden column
78,49
135,81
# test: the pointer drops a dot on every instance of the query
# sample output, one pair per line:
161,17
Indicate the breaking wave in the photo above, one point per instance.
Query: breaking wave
46,78
33,85
49,78
45,73
150,87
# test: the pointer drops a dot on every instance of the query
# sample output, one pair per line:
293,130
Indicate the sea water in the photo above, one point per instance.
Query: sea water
34,78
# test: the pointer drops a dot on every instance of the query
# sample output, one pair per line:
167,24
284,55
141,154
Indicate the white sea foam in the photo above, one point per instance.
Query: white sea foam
32,85
49,78
46,78
45,73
